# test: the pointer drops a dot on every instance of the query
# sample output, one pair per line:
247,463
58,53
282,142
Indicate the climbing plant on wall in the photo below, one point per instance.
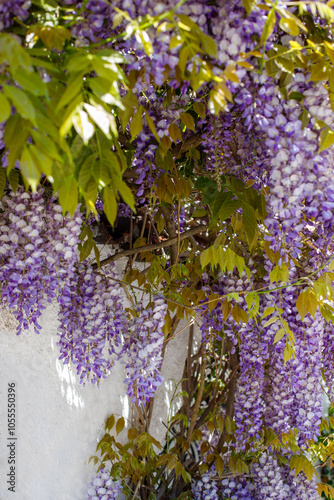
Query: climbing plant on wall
197,139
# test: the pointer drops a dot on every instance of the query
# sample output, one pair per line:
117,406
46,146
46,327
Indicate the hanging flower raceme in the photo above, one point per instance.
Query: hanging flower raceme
92,321
38,247
144,344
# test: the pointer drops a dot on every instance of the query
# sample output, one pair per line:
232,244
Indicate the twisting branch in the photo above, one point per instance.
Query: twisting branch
171,229
191,142
154,246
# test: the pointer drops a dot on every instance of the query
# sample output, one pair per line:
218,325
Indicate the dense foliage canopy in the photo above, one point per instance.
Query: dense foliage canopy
195,140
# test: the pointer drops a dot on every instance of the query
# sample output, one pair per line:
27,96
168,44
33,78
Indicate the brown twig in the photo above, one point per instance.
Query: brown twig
171,229
191,142
154,246
133,259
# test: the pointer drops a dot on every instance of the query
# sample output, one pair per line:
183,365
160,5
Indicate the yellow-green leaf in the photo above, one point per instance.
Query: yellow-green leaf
21,101
29,169
268,311
68,194
200,109
120,425
110,422
151,125
136,123
307,303
110,205
279,335
219,464
4,108
326,139
188,121
2,180
289,26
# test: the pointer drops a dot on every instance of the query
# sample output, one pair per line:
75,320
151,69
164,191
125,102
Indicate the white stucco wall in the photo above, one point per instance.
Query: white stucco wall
58,421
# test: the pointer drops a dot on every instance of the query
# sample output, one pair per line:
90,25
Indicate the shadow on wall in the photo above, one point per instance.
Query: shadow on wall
58,421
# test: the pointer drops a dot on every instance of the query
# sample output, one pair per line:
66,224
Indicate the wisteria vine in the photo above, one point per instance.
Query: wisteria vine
270,140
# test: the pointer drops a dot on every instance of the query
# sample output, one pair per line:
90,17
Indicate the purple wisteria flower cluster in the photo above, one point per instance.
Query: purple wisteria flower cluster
95,332
40,262
103,487
210,487
144,343
38,251
9,9
91,321
267,479
283,395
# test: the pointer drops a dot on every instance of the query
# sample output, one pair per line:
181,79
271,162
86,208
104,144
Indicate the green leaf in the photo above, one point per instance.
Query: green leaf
110,205
206,257
97,254
132,434
5,110
41,160
208,44
289,26
90,194
279,335
12,52
83,126
29,169
219,464
101,117
2,180
86,170
31,81
239,315
279,273
72,91
228,209
46,125
52,36
319,72
13,178
287,353
136,124
15,142
301,463
326,139
151,126
85,249
307,303
188,121
249,222
200,109
120,425
124,190
229,425
45,144
270,321
222,198
268,311
129,101
248,5
68,194
21,102
269,26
